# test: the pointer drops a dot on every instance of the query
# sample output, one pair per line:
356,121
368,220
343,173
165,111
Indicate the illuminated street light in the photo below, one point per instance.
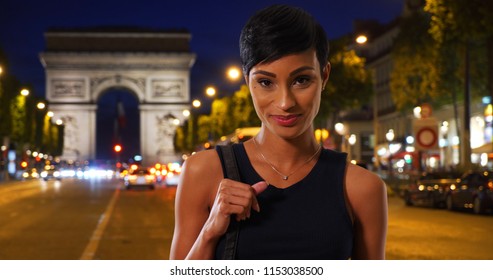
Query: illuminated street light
352,139
233,73
196,103
117,148
186,113
50,114
210,91
59,122
1,70
390,135
361,39
24,92
417,112
340,128
41,105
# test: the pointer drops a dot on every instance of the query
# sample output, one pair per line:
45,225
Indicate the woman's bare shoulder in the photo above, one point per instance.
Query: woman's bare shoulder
204,162
201,173
362,184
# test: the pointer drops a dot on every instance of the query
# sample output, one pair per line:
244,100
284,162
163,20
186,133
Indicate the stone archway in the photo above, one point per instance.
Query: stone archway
80,65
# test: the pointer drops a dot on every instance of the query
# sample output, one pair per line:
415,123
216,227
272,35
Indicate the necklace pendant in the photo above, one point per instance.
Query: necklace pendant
285,177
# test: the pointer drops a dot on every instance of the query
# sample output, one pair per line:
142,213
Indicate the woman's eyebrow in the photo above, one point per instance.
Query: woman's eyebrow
301,69
264,73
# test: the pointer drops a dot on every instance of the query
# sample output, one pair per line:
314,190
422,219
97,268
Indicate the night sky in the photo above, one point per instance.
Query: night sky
214,25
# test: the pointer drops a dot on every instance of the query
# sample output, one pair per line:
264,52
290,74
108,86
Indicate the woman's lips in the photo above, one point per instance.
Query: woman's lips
288,120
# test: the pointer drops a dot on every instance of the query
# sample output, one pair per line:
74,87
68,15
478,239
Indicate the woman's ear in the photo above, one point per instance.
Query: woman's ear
246,79
326,74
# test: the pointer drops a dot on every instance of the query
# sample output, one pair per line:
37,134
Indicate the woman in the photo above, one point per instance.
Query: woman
296,200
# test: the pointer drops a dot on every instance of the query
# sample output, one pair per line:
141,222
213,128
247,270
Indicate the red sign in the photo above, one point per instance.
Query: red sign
425,134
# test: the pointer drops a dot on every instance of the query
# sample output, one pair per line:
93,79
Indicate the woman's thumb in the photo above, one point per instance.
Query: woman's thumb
260,187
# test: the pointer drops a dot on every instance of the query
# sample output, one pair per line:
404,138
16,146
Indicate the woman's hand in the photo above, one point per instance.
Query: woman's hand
232,198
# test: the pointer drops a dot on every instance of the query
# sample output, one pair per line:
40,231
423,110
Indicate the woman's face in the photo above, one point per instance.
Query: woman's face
286,92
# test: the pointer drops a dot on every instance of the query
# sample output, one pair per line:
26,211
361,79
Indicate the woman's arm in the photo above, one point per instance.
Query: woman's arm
367,196
192,201
204,204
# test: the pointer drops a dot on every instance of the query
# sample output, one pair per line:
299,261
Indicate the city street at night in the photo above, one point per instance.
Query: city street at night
82,219
97,219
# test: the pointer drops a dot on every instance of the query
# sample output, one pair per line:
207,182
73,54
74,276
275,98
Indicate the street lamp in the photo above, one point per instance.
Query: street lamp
341,129
390,137
24,92
352,141
41,105
210,91
196,103
233,73
417,112
361,39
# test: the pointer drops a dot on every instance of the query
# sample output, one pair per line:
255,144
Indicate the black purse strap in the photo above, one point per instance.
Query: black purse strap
234,227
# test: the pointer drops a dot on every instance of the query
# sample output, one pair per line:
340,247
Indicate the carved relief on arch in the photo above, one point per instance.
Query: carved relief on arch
100,84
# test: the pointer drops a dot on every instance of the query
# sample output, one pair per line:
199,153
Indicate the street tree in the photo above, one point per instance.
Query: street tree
463,33
349,86
414,74
242,110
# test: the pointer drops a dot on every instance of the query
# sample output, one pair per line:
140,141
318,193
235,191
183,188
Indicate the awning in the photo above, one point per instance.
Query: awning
486,148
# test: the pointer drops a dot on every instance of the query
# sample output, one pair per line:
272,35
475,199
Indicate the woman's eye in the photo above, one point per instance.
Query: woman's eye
302,81
265,83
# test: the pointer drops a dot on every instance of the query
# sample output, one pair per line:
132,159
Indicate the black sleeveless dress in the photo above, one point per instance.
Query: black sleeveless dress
306,221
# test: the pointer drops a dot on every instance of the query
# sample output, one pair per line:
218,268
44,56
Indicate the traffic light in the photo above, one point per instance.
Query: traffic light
117,148
24,164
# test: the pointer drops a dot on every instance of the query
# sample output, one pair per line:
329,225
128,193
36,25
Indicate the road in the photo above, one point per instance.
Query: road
84,219
97,219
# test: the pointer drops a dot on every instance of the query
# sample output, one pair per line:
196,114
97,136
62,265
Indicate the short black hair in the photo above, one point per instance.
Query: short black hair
280,30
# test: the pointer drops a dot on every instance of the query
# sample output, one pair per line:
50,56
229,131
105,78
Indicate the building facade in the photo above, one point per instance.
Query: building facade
153,65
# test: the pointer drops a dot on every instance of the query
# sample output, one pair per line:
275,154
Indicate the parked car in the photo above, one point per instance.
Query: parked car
430,189
139,177
473,191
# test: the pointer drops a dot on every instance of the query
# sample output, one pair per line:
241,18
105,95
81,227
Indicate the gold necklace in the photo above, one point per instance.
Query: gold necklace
284,176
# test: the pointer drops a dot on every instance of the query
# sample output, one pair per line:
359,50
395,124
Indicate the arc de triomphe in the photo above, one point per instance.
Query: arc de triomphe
82,64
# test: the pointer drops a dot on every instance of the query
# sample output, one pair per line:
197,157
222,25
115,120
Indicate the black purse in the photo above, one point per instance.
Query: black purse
234,226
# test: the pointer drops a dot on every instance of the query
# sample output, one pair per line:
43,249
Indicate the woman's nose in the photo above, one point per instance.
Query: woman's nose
286,99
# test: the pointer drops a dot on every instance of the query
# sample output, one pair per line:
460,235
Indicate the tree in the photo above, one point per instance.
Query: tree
242,110
349,85
414,74
220,118
457,27
463,33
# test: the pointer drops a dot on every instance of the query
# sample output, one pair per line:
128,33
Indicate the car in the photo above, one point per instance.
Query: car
50,173
172,179
139,177
429,189
474,191
30,174
173,174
